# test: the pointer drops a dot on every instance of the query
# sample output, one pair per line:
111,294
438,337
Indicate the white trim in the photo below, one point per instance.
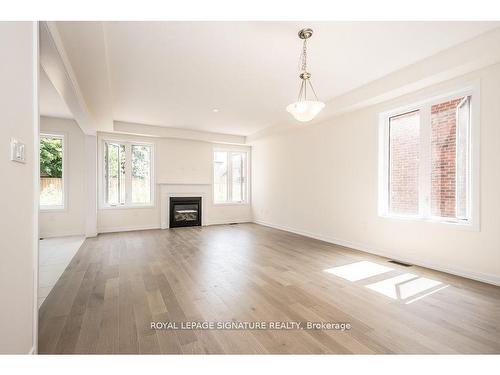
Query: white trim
145,130
425,160
228,221
127,229
36,172
127,207
473,90
152,227
245,203
182,183
478,276
64,137
460,225
463,89
58,208
102,205
61,234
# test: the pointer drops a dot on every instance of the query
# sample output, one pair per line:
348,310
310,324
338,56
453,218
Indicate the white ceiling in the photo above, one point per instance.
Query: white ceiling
50,102
174,73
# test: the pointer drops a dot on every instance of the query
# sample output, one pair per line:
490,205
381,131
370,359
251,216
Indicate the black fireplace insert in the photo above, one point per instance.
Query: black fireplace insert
185,211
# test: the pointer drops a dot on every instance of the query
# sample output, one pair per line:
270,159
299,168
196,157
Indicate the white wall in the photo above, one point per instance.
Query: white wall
71,220
18,243
177,161
91,185
321,181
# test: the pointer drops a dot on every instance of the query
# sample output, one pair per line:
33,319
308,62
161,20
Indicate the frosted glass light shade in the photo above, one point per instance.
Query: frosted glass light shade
305,110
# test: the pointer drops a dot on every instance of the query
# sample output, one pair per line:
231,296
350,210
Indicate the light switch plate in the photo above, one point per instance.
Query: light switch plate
17,149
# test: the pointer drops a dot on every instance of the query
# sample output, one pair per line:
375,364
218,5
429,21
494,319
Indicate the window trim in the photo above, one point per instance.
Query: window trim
128,176
64,137
228,202
424,106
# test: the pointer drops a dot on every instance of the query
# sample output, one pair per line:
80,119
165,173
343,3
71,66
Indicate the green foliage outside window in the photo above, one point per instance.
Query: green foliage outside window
51,152
140,161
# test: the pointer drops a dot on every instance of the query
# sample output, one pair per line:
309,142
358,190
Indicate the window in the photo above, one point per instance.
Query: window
141,174
426,161
114,161
449,156
127,174
404,152
230,171
52,194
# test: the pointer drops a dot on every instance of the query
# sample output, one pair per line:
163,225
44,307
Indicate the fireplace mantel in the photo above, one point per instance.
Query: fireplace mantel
168,190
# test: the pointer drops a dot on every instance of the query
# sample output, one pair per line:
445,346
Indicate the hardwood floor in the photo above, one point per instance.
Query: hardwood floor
119,283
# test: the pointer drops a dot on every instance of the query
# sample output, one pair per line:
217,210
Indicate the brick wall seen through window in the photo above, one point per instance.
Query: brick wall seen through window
404,153
444,159
429,165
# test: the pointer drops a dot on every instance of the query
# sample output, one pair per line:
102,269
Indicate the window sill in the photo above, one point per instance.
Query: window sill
230,203
127,207
470,226
54,209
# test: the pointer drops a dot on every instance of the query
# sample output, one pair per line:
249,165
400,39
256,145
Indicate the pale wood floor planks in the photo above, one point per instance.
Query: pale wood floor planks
118,283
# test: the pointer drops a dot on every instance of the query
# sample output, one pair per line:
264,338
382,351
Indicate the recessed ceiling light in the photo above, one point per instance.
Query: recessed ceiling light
215,110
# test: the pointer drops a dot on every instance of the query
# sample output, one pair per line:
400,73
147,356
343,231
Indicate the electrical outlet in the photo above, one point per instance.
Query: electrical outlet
17,150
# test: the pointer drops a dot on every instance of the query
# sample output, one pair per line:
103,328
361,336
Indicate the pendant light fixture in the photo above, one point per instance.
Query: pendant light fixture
305,109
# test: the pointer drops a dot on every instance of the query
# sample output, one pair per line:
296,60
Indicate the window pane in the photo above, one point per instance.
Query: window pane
449,174
463,150
220,176
141,174
404,138
238,177
51,171
115,173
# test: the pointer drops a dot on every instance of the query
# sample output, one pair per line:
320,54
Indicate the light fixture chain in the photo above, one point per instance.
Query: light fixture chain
304,56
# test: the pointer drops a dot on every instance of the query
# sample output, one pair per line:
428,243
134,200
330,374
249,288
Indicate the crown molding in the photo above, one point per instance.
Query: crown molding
168,132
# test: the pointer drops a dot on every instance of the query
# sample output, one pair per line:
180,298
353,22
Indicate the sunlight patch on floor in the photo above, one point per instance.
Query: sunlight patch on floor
426,294
406,287
359,270
403,286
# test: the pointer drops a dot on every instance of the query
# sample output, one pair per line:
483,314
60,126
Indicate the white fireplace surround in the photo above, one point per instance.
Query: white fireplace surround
183,190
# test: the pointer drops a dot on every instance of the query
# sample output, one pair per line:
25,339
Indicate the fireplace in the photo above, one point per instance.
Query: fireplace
185,211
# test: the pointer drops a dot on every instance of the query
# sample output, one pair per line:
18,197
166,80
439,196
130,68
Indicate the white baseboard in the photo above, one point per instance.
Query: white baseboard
133,228
61,234
127,229
486,278
232,221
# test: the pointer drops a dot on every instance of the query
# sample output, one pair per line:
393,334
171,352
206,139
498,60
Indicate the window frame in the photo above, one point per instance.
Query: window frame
424,107
63,207
128,174
229,183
